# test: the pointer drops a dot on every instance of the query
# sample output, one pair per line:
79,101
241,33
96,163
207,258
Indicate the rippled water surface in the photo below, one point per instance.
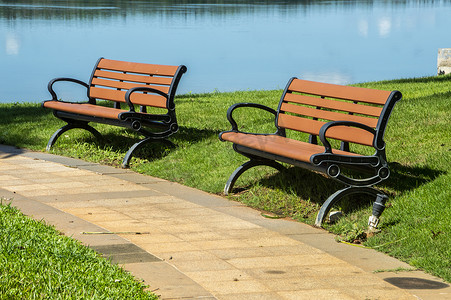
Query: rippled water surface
226,45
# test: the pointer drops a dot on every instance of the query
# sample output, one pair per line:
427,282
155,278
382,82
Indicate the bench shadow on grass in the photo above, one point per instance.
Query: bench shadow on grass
316,187
155,150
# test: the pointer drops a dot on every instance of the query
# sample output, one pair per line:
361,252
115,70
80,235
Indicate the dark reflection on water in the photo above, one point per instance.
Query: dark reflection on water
227,45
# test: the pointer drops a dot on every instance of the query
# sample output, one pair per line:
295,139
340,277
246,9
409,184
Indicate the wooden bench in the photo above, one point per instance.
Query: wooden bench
338,115
126,84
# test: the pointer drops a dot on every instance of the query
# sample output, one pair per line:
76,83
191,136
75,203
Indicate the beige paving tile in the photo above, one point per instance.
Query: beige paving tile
25,187
219,288
100,214
275,240
70,205
85,190
197,211
232,253
168,281
49,192
67,185
202,236
46,167
24,172
129,225
15,182
114,188
219,275
317,294
198,255
113,216
186,227
298,248
81,211
363,280
10,167
212,218
162,222
76,174
156,198
221,244
29,174
161,198
151,238
292,283
100,179
143,202
305,271
144,213
155,217
168,247
15,158
7,178
233,223
251,296
284,260
50,180
387,292
256,232
177,205
201,265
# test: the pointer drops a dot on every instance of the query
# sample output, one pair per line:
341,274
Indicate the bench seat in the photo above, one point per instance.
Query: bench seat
85,109
280,146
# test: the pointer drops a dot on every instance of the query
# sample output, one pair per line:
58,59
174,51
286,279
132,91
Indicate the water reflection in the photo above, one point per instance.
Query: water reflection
12,44
63,9
227,45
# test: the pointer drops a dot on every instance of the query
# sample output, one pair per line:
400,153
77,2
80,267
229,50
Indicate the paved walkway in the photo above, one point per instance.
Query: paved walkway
187,244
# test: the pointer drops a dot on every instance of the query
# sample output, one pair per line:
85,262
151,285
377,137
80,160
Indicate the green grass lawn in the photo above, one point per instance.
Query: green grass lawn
415,227
36,262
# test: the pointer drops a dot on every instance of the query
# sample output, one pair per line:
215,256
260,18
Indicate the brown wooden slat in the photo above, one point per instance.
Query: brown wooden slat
136,98
107,94
327,115
275,144
85,109
342,133
279,145
117,65
133,77
334,104
300,124
339,91
125,85
149,100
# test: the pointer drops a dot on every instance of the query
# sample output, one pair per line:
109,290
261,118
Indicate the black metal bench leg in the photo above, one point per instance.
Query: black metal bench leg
136,146
335,197
246,166
70,126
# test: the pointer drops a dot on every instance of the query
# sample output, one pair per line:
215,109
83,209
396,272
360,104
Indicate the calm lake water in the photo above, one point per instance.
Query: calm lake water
226,45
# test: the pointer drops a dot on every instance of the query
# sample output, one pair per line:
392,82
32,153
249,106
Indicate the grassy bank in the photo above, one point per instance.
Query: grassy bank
415,227
39,263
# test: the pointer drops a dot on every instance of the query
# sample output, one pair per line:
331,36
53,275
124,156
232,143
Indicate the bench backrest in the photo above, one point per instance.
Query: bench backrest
306,106
111,79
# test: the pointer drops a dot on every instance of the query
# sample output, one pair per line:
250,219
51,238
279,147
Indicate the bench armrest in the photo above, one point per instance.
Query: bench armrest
245,104
141,89
51,82
328,125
